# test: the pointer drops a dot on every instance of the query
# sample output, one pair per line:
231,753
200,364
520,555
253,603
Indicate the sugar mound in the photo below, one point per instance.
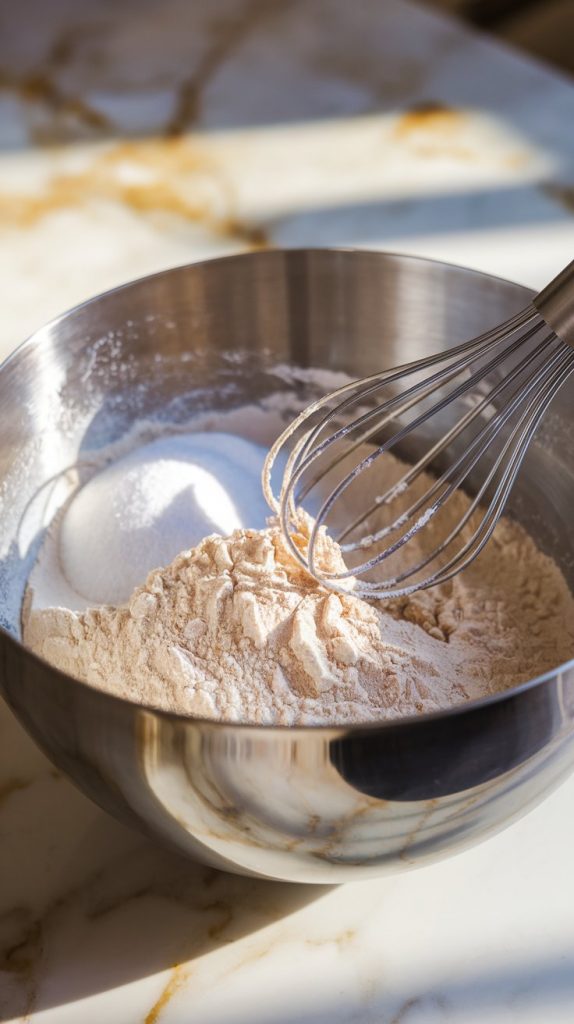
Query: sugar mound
159,500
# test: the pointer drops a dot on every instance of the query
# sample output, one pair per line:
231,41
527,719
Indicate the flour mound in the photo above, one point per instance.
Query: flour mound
236,629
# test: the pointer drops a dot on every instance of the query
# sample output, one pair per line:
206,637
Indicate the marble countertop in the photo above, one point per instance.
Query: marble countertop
135,136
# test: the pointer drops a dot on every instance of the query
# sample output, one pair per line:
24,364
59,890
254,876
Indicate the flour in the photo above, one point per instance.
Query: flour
235,629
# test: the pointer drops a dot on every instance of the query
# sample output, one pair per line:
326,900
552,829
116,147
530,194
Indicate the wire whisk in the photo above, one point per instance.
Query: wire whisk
461,419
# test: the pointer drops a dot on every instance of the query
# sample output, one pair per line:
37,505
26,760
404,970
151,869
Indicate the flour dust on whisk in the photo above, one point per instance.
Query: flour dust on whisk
392,450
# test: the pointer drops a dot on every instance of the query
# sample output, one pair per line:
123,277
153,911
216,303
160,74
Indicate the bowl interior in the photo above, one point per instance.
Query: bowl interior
234,332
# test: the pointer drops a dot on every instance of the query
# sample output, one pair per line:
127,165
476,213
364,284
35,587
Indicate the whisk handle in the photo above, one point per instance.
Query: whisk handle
556,304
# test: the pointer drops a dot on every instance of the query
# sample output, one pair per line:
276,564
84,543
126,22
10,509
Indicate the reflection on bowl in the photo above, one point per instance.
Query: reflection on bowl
316,804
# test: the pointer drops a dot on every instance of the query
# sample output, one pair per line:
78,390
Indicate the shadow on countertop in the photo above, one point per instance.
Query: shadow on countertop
103,906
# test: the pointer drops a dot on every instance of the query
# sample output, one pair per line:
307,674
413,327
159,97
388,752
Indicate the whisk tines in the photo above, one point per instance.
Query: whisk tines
456,420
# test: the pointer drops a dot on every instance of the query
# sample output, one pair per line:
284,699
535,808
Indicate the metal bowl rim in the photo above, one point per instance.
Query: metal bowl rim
36,336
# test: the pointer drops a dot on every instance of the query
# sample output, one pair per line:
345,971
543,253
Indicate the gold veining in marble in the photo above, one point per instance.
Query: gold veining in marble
227,34
178,977
108,906
420,825
430,116
12,785
225,913
40,87
341,939
21,957
407,1006
432,129
22,954
71,115
158,178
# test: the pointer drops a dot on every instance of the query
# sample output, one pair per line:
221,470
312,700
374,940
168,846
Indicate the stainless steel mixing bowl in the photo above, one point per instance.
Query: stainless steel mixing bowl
306,804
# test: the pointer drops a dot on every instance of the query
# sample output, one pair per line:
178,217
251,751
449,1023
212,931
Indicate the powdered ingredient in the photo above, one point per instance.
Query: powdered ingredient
144,508
235,629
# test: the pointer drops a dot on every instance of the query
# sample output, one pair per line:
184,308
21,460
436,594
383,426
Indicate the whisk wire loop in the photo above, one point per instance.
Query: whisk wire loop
554,378
372,457
522,363
438,448
458,359
368,385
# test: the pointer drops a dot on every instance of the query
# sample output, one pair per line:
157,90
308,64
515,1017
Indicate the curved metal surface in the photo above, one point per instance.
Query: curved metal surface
556,304
309,804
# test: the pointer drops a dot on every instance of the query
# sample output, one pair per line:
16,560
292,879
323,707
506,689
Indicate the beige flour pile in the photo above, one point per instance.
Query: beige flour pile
235,629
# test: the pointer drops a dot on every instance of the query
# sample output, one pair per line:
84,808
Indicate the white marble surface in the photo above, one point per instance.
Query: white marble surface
136,135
